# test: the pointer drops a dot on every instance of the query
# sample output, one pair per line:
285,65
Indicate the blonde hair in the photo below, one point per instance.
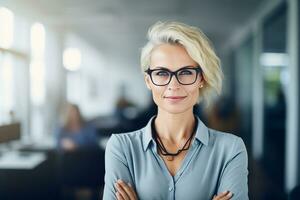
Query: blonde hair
197,46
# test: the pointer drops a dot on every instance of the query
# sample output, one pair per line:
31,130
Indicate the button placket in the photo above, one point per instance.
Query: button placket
172,184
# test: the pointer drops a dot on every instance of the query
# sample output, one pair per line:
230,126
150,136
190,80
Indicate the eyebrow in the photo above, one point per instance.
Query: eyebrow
158,67
188,66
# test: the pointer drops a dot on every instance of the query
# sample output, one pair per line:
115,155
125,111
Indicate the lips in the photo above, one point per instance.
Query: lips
175,99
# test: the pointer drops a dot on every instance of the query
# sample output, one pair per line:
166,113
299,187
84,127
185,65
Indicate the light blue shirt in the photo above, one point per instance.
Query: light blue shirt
215,162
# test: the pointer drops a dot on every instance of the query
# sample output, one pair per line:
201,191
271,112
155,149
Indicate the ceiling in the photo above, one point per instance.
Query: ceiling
118,27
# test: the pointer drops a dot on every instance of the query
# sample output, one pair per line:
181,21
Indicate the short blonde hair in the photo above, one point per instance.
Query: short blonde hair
197,46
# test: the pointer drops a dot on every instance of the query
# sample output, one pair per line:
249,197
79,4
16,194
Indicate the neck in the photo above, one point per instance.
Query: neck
174,127
73,127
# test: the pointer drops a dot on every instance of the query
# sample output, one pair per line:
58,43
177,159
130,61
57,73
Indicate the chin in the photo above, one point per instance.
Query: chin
176,109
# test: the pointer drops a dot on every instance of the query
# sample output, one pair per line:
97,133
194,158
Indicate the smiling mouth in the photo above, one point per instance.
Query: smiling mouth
175,97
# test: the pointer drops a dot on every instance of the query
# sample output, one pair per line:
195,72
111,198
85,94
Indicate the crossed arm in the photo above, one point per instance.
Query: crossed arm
126,192
119,182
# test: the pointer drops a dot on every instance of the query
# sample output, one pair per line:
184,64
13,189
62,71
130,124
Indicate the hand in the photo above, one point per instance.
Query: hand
125,191
223,196
68,144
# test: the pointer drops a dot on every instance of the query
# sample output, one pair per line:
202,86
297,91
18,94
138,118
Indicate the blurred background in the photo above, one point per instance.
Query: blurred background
70,77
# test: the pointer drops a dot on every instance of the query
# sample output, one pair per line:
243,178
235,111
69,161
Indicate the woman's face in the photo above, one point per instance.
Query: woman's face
74,119
173,98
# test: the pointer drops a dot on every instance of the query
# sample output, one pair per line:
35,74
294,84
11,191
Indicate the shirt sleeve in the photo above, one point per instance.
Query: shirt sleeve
116,166
235,174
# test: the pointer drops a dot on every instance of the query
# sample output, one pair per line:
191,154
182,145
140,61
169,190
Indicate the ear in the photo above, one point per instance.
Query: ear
147,81
202,81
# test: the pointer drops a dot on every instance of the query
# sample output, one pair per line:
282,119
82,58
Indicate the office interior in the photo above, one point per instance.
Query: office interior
87,53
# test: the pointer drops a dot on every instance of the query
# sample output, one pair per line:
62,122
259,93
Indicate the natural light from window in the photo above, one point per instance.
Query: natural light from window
37,65
6,27
72,59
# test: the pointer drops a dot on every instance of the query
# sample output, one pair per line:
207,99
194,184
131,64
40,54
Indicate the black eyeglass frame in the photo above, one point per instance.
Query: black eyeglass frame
197,69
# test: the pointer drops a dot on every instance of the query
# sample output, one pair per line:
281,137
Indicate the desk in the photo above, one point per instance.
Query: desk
21,160
49,174
28,175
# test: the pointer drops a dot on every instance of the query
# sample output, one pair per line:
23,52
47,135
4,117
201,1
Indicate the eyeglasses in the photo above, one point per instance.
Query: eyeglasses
185,76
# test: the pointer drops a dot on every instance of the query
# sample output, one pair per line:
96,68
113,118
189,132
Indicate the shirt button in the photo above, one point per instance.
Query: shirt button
170,189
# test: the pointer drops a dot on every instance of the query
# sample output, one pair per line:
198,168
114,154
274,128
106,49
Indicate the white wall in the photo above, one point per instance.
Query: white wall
96,85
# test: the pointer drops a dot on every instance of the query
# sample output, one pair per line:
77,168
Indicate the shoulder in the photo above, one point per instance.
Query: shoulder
88,126
225,142
222,138
60,131
125,139
122,145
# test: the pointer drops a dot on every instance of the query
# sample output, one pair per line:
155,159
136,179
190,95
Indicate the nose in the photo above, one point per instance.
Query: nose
174,84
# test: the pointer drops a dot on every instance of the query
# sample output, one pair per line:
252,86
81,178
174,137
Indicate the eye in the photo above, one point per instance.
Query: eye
161,73
185,72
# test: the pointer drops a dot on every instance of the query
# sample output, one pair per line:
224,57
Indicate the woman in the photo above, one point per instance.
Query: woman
76,133
176,156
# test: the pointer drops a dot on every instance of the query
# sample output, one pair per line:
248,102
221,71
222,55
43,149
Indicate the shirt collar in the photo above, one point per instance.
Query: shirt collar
201,133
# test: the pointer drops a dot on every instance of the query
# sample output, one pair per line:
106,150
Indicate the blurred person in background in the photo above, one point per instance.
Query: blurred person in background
176,156
75,133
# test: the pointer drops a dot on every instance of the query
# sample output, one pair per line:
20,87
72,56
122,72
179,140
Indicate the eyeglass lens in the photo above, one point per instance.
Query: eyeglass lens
184,76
